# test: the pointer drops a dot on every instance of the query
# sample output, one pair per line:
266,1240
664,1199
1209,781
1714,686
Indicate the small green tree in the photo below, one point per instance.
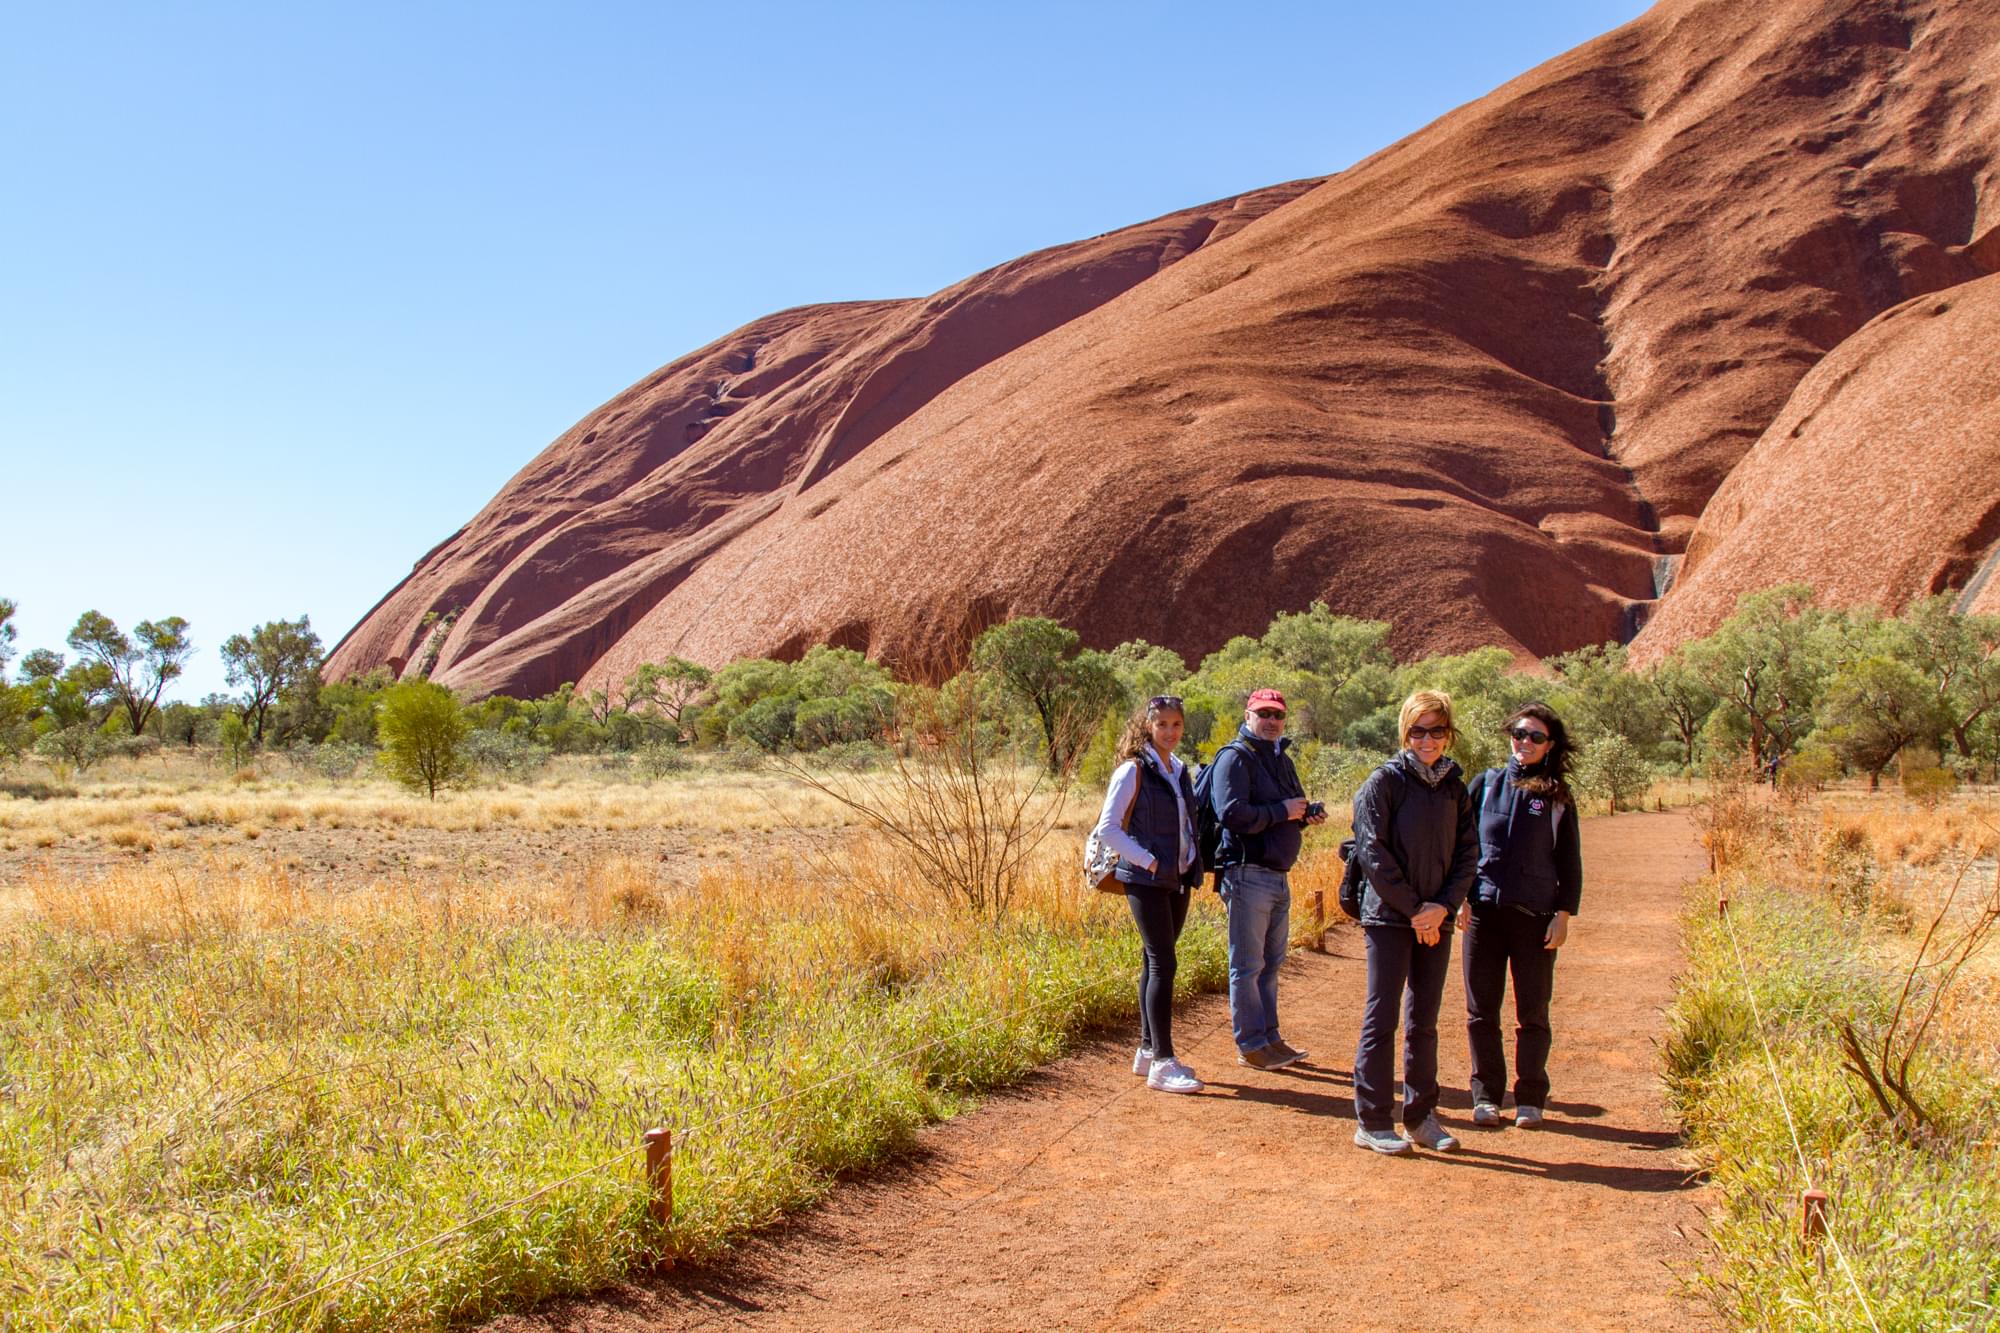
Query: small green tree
16,702
1614,769
1038,663
423,736
1685,703
7,610
667,689
134,673
1875,707
271,661
234,736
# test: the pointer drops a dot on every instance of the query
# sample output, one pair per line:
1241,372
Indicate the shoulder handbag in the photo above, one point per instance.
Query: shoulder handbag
1100,863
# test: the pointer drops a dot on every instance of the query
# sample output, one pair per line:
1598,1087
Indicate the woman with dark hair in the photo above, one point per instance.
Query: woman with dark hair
1529,884
1414,840
1148,820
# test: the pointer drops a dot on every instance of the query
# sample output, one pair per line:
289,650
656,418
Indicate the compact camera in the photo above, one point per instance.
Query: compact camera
1314,809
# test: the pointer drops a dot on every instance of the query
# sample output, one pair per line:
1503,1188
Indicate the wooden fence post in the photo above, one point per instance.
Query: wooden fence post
1812,1216
1319,920
660,1177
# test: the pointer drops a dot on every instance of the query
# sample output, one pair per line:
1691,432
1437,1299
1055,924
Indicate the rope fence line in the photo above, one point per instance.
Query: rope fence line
1811,1204
683,1133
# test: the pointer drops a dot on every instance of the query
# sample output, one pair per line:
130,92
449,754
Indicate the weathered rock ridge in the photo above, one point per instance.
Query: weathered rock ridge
1482,384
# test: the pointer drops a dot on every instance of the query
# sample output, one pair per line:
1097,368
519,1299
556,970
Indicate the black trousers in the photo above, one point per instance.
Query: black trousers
1160,914
1502,941
1412,975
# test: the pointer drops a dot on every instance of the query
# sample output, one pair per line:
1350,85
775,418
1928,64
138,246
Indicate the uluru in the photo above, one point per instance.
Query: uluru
1702,304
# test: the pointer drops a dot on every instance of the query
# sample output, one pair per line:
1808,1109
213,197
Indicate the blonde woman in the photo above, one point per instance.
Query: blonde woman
1148,819
1419,849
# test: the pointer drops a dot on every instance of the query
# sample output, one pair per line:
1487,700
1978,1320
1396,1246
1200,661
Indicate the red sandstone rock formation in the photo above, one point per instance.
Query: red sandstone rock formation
1878,483
1481,384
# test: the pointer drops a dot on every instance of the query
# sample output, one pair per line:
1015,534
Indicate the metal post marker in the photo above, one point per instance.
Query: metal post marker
1319,920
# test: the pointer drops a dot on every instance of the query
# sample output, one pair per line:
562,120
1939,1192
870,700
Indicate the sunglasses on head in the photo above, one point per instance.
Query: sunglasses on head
1159,701
1430,733
1267,713
1529,734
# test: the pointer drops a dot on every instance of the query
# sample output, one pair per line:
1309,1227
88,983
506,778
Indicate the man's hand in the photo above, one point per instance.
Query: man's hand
1295,807
1558,932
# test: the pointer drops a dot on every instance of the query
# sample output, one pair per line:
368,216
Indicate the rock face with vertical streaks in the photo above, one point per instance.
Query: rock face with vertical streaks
1484,384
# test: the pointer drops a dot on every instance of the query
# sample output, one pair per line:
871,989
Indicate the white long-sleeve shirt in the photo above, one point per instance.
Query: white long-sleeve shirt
1118,799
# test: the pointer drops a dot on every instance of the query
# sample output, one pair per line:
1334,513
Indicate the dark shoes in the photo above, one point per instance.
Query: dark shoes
1275,1056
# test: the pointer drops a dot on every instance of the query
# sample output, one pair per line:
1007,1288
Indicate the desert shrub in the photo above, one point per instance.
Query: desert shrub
660,758
340,760
1809,770
505,754
1930,785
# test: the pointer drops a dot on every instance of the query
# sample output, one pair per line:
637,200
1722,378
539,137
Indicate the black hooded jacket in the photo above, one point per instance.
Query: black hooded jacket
1417,842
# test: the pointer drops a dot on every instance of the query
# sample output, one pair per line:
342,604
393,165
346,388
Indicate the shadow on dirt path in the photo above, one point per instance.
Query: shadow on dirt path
1078,1199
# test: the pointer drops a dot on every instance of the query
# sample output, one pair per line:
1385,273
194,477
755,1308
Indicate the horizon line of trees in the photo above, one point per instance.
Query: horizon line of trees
1783,683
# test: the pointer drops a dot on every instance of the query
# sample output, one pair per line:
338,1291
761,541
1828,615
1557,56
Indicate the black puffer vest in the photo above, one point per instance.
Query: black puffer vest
1155,824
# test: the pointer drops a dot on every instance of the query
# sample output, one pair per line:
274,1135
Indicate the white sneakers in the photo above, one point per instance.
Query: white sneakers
1432,1135
1142,1061
1486,1114
1527,1117
1170,1075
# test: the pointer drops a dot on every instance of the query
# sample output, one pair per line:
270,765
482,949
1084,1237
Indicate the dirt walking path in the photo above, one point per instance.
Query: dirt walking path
1081,1200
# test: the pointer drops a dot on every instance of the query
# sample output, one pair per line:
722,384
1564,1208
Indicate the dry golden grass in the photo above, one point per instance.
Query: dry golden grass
727,803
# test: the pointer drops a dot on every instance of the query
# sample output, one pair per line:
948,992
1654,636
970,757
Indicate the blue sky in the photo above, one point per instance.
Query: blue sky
291,291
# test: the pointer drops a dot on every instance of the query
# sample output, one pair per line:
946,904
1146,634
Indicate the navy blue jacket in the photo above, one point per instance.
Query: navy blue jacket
1155,824
1530,851
1417,843
1250,792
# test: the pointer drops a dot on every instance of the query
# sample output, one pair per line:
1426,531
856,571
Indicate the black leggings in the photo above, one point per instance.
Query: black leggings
1160,914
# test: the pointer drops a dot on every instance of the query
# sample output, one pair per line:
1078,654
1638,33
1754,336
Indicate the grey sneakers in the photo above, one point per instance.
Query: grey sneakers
1486,1114
1142,1061
1432,1135
1170,1075
1286,1052
1381,1140
1527,1117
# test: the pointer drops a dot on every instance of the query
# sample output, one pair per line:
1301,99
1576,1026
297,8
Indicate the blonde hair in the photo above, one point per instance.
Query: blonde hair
1138,733
1414,707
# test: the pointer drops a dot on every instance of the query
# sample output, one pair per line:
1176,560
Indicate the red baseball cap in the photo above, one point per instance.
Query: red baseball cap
1265,699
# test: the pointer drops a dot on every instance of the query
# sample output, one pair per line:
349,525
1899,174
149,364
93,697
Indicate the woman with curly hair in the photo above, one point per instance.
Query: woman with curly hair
1148,820
1529,884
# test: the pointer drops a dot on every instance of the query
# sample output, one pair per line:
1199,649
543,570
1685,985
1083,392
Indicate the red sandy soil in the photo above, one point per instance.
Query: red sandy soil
1481,384
1081,1200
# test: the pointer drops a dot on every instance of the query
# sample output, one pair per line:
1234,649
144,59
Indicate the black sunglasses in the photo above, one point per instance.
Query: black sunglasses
1267,713
1530,736
1160,701
1433,733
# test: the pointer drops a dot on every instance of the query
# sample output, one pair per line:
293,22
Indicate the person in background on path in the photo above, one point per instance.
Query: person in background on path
1263,811
1148,820
1529,884
1414,835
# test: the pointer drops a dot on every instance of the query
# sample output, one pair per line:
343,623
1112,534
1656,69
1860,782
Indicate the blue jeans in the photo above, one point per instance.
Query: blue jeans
1259,900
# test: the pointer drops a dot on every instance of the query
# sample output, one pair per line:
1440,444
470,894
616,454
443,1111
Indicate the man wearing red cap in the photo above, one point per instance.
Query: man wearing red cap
1263,810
